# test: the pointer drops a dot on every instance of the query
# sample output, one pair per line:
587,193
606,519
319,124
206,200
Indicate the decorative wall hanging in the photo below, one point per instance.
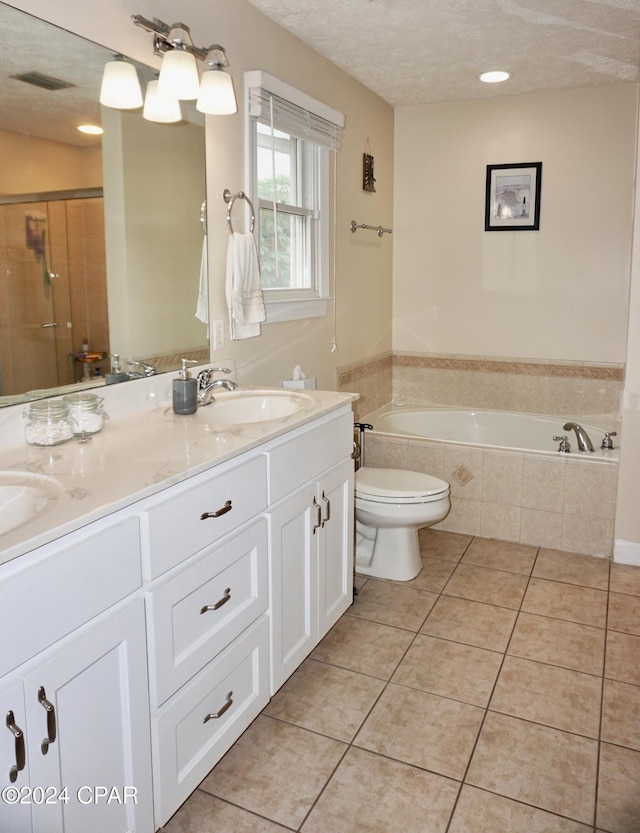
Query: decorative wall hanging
368,179
512,200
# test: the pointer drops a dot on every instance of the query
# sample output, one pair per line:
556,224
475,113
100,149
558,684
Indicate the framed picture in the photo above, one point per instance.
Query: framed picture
368,179
512,200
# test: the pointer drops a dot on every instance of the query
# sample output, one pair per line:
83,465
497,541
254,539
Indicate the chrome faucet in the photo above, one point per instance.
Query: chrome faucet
145,370
206,385
584,443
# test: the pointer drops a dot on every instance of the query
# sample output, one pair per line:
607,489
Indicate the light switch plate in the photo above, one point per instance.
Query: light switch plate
217,334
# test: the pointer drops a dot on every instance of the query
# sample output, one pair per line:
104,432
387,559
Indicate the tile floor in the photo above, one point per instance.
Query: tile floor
498,692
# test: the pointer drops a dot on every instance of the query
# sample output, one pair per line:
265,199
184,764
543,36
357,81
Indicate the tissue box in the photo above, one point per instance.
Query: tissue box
309,384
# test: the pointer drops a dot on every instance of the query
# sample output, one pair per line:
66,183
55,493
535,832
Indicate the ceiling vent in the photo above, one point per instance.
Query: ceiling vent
46,82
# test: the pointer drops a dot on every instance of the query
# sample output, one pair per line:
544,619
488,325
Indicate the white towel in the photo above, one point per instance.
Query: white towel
202,306
245,301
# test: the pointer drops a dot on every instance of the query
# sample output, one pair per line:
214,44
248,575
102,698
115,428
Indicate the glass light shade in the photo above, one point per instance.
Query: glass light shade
179,75
217,96
160,108
120,86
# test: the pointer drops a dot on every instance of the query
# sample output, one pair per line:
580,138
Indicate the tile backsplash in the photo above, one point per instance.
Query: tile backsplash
575,390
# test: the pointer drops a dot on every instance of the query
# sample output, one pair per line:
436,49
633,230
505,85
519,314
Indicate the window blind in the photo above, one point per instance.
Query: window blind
293,112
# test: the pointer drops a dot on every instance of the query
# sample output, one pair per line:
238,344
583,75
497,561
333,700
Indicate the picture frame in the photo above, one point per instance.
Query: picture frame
512,198
368,178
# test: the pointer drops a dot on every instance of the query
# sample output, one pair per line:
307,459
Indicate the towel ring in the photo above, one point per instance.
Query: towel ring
230,198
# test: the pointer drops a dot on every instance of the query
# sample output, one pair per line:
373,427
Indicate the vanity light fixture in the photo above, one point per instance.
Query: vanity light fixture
494,76
179,72
120,86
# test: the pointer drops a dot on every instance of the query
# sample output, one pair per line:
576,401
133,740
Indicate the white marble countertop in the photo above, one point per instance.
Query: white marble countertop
136,455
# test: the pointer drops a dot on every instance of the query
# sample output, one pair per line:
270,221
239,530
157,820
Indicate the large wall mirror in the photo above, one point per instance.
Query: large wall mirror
102,238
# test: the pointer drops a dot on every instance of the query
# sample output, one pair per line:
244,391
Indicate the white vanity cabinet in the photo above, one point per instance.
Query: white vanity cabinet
75,737
311,540
137,649
207,621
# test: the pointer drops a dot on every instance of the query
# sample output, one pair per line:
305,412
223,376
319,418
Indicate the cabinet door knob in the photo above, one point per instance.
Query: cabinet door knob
222,601
18,734
227,705
51,720
226,508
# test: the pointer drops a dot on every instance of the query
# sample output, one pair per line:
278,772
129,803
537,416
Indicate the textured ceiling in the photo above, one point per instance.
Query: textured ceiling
420,51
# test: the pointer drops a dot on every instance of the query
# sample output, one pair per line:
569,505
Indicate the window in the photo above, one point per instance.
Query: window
290,137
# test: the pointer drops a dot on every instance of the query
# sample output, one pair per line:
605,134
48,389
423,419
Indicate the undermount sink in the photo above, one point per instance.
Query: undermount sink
24,495
238,407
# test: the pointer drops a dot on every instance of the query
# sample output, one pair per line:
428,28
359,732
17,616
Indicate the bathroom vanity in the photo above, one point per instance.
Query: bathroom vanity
152,611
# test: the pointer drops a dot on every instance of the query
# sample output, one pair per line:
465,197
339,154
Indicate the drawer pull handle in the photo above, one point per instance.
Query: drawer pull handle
327,517
225,598
227,705
318,509
226,508
18,734
51,720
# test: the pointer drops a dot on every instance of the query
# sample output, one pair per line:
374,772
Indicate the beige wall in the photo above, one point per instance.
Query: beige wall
364,270
559,293
36,165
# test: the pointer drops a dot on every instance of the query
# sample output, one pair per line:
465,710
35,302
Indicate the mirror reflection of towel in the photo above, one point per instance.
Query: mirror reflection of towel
245,301
202,306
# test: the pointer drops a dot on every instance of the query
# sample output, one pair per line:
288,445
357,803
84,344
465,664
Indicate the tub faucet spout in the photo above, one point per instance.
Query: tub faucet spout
584,443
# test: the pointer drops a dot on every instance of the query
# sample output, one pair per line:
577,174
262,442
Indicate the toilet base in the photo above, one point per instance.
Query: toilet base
403,543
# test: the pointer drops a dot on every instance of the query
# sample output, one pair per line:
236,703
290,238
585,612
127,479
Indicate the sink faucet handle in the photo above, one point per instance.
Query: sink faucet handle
564,446
607,442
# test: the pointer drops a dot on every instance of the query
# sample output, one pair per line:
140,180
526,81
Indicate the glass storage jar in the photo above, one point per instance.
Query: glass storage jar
48,422
86,411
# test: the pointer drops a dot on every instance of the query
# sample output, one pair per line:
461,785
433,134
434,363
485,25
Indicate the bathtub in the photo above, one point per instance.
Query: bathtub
496,429
508,480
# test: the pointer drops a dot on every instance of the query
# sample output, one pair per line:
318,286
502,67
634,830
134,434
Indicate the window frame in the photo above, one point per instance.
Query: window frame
293,304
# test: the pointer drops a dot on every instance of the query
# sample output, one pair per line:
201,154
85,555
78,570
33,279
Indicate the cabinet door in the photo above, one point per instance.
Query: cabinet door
294,532
335,559
88,729
15,817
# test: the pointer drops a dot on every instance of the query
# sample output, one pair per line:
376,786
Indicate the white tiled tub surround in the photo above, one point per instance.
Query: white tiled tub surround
552,500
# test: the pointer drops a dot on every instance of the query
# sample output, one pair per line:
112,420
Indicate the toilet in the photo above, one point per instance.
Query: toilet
391,505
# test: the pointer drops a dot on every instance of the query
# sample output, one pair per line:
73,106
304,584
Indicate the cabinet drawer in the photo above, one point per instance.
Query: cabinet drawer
186,745
75,579
174,527
195,614
299,459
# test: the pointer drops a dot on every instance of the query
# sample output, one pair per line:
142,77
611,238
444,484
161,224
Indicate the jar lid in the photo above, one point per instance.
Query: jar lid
48,408
83,401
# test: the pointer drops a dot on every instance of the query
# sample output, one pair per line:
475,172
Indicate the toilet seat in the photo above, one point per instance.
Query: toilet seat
398,486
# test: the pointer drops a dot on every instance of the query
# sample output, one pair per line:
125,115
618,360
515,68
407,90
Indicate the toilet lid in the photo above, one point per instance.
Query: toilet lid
399,484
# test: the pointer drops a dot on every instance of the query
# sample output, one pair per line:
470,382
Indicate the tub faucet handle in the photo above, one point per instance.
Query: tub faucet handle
607,442
564,443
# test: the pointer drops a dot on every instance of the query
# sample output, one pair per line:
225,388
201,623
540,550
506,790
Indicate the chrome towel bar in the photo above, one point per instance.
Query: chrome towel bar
379,229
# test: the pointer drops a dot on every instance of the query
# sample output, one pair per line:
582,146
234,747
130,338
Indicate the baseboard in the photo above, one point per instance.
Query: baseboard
626,552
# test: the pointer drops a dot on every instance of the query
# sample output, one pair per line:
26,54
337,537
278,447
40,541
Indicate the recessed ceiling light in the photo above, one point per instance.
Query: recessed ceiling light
494,76
91,129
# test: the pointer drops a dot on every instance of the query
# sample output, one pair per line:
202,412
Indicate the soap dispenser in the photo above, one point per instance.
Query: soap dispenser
185,391
117,374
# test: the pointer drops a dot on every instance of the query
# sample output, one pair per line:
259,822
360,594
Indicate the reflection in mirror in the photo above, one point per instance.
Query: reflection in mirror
102,247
